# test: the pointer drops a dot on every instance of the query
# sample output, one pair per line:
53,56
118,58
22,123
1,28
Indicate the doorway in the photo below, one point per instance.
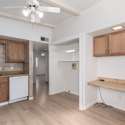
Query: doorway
40,69
66,62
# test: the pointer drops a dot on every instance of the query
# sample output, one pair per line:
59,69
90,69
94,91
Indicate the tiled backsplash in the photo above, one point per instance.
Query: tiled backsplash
8,66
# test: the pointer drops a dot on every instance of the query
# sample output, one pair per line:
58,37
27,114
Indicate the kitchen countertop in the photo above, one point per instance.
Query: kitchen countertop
11,73
14,75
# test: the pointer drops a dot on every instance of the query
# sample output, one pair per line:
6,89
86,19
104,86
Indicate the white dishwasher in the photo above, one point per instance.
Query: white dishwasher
18,88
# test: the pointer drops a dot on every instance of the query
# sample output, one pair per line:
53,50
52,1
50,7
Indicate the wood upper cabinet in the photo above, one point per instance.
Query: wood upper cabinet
101,46
112,44
117,43
15,52
4,89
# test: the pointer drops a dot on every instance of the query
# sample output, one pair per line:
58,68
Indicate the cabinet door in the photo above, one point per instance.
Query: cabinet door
15,52
101,46
4,89
117,43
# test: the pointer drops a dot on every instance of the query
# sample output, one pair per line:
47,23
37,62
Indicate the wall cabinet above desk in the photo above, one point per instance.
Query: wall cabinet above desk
112,44
101,46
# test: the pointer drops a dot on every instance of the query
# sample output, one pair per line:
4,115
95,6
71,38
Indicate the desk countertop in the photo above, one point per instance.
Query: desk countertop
118,85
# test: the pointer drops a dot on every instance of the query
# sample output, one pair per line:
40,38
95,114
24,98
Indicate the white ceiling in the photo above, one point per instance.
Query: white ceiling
80,5
49,18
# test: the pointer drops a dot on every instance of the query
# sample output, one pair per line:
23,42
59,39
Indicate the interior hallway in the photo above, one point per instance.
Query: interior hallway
61,109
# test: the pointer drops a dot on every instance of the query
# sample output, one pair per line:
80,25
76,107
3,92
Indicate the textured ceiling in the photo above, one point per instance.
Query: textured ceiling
49,18
80,5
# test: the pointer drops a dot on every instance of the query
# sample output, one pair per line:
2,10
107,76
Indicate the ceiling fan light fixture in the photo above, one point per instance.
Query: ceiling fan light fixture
26,12
36,2
117,28
34,10
32,18
40,14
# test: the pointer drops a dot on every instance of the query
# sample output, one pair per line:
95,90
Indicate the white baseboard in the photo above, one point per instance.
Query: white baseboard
56,92
74,93
61,91
94,102
4,103
17,100
89,105
114,106
82,108
31,98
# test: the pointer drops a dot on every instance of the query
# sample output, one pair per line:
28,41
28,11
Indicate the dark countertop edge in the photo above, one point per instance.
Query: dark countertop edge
14,75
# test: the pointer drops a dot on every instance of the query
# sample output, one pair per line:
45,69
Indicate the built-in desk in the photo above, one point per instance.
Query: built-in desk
114,84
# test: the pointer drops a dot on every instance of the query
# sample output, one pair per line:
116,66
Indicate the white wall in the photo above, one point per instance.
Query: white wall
111,67
53,87
23,30
91,72
102,15
112,98
105,14
69,78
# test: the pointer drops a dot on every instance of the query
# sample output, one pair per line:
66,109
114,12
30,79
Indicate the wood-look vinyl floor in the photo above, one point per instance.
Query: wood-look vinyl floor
61,109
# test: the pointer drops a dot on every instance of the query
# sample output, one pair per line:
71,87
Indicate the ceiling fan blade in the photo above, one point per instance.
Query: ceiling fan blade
12,7
49,9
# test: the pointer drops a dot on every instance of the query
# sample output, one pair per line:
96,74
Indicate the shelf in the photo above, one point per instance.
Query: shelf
118,85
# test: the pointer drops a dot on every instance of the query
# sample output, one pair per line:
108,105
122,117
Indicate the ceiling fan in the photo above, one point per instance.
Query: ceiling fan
33,9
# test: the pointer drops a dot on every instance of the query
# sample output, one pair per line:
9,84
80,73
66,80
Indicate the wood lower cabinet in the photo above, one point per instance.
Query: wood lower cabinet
117,43
100,46
15,52
4,89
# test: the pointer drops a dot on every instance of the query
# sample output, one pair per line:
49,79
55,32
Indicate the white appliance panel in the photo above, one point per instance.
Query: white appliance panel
18,87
